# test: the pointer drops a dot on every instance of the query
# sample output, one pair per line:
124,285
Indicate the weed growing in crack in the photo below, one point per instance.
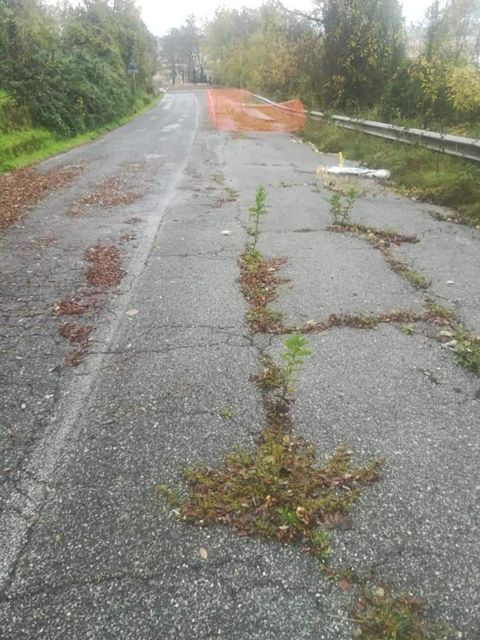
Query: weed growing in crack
467,349
360,321
226,412
265,320
259,209
408,329
259,282
278,490
415,278
382,239
379,238
294,355
218,178
271,375
441,314
341,206
382,616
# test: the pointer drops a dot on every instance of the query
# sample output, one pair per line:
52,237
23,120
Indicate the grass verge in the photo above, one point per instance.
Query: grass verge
26,146
419,173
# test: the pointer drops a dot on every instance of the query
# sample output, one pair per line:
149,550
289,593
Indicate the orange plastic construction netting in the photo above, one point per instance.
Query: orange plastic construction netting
236,110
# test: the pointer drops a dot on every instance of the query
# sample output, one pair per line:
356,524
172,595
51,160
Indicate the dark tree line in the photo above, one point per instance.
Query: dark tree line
69,67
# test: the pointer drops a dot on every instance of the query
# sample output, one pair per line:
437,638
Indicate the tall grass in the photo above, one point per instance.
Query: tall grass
426,175
27,144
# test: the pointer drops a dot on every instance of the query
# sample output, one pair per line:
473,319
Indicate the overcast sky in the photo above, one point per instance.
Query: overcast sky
161,15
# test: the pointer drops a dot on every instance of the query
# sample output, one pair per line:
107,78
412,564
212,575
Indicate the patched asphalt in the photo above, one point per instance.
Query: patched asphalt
89,549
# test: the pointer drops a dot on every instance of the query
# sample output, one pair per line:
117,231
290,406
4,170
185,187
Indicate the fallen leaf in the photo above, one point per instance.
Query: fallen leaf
131,312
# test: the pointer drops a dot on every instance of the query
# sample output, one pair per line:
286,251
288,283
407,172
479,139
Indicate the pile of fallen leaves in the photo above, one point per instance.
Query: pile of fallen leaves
76,305
105,269
259,283
79,336
23,188
110,193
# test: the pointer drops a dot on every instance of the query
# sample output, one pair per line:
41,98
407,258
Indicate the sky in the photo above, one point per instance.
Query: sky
162,15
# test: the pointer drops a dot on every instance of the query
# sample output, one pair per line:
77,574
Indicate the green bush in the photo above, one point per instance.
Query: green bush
67,69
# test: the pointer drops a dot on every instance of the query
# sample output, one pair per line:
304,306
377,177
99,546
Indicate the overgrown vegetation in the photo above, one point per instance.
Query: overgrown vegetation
419,173
43,143
65,71
258,279
277,490
258,210
341,206
467,349
380,615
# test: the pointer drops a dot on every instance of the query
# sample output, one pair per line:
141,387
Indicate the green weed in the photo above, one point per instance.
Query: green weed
294,356
277,490
415,278
467,349
341,206
258,210
226,412
408,329
382,616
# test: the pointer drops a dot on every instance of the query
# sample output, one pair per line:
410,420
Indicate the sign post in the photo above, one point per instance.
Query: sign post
133,70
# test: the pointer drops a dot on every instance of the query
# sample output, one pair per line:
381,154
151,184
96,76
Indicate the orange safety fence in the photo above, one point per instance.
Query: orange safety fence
235,110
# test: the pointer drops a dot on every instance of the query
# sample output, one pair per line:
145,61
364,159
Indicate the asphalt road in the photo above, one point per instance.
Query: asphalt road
87,547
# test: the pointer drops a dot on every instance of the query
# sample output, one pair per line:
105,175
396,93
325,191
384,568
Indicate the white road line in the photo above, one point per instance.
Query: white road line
170,127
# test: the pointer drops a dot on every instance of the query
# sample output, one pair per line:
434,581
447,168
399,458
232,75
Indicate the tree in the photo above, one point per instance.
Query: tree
181,53
453,31
69,66
363,46
268,49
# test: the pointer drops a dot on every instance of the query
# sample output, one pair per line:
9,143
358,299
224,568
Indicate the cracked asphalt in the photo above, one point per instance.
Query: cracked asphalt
87,547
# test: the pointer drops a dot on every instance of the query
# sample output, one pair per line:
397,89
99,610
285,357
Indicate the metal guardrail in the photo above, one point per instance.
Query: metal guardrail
468,148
